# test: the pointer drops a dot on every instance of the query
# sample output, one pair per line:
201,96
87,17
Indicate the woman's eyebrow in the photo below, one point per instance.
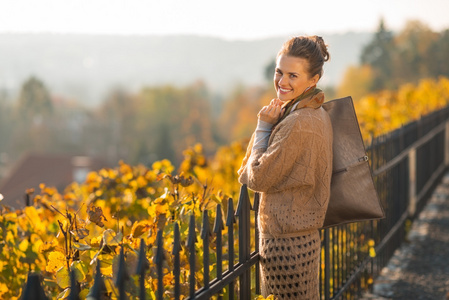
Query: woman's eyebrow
290,73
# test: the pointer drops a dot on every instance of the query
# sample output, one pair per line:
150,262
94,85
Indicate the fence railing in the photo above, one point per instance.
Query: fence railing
407,164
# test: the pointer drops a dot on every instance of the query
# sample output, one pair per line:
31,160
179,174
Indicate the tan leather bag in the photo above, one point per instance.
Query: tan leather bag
353,195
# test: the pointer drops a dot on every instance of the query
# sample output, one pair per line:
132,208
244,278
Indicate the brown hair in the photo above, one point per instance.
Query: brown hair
311,48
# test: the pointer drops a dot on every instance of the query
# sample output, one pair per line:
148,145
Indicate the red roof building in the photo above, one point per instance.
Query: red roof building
54,170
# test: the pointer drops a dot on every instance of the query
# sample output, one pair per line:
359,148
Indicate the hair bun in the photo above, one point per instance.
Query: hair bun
323,47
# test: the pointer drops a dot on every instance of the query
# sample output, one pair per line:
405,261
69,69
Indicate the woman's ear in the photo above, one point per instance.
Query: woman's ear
314,79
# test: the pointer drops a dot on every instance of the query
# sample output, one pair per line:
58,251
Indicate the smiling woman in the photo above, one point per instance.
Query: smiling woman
289,161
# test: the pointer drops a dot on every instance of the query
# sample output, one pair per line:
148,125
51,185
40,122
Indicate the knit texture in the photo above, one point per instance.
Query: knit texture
290,266
293,177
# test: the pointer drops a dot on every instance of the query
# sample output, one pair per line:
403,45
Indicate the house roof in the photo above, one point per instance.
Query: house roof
55,170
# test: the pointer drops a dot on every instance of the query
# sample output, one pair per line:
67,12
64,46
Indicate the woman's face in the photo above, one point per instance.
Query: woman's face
291,78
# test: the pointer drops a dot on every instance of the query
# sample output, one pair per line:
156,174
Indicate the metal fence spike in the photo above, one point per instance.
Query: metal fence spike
74,287
159,260
33,289
99,288
205,229
191,238
218,225
122,275
230,219
160,248
176,261
256,201
176,239
243,200
142,264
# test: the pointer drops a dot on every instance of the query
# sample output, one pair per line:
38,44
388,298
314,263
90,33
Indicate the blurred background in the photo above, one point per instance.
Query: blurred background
85,84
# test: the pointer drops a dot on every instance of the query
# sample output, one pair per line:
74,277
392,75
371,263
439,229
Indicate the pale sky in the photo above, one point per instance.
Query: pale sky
229,19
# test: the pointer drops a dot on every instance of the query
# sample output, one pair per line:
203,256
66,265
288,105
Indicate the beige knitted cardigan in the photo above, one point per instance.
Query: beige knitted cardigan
293,174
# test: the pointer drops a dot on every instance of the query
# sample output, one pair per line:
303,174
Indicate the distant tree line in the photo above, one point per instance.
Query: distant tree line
161,122
390,60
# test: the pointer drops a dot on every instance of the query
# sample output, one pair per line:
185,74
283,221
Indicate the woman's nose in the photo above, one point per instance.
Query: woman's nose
281,80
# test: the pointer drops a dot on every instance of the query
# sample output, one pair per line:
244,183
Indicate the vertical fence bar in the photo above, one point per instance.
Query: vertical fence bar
327,265
74,287
99,288
159,261
122,275
205,234
33,289
400,186
243,213
218,228
412,182
256,237
446,144
176,260
230,220
142,267
191,240
333,259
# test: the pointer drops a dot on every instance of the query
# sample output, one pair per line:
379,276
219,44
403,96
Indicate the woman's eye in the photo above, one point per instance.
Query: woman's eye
293,76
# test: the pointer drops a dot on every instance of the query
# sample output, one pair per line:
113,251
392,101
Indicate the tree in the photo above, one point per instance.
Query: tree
33,124
5,122
34,101
356,82
438,55
378,54
269,70
411,61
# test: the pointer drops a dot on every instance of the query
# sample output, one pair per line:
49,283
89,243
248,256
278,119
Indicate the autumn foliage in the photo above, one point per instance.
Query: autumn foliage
88,223
384,111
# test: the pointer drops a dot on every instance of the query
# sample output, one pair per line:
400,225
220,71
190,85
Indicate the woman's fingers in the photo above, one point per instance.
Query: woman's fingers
270,113
276,101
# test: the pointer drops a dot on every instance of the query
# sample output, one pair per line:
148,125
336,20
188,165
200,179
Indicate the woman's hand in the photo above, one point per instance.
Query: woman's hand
271,113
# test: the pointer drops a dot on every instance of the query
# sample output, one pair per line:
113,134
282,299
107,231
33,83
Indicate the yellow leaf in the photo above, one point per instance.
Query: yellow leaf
95,242
92,177
55,261
64,294
23,246
9,237
80,233
96,215
3,288
63,278
111,238
80,269
139,228
106,271
48,246
141,181
161,209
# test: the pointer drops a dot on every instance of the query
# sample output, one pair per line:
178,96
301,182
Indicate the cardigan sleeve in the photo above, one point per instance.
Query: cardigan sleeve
242,172
288,162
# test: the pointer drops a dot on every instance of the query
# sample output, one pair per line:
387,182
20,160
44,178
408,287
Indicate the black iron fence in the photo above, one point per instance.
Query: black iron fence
407,164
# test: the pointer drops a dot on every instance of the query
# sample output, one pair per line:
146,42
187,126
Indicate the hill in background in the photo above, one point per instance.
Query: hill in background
86,67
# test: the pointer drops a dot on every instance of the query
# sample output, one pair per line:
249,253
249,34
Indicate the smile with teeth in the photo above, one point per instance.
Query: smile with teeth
284,90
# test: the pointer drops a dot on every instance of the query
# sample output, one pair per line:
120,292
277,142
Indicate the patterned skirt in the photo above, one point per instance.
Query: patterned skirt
290,266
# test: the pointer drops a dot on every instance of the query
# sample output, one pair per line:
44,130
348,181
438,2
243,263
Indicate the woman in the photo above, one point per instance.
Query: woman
289,161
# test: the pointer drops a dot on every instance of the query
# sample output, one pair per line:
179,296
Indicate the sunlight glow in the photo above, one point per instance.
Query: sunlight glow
231,19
